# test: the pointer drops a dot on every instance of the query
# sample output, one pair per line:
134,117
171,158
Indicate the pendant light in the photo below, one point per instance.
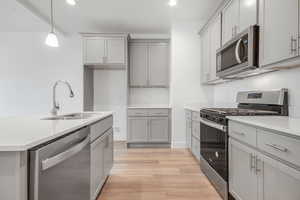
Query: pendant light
51,39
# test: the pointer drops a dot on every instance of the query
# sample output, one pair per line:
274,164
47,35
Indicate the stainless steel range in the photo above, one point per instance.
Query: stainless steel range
214,131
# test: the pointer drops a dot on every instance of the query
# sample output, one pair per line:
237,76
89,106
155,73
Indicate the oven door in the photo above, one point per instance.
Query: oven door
213,148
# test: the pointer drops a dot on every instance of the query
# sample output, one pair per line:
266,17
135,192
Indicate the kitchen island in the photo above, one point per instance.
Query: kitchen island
19,135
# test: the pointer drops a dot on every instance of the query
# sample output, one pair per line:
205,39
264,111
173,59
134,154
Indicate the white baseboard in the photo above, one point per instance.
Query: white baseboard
178,144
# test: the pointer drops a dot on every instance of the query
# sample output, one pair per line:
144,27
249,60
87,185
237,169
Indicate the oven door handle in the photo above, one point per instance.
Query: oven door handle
214,125
237,48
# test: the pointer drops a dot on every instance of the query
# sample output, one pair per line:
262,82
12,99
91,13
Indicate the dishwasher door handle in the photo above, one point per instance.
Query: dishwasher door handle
55,160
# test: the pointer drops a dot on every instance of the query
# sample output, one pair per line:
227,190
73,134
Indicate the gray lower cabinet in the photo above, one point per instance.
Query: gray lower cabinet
158,129
101,160
138,129
196,147
148,126
193,132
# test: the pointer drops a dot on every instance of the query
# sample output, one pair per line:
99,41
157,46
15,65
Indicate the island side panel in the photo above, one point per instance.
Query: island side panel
13,175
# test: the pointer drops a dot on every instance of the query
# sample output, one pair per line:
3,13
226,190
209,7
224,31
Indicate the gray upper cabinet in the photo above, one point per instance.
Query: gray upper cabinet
115,48
138,129
159,129
94,50
103,49
279,30
230,21
138,64
149,64
158,65
238,15
210,43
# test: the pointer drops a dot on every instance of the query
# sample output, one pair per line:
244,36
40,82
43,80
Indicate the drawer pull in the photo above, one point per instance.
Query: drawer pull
252,161
239,133
277,147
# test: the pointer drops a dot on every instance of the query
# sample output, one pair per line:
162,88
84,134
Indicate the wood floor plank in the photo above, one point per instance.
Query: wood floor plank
156,174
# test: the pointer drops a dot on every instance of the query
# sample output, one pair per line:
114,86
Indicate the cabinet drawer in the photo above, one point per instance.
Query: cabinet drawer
196,129
283,147
158,112
196,116
196,147
188,114
99,128
243,133
137,112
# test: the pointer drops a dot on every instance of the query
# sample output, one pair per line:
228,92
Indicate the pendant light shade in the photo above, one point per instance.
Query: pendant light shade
51,39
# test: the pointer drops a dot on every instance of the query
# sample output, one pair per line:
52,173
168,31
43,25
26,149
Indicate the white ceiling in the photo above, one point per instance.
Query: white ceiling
137,16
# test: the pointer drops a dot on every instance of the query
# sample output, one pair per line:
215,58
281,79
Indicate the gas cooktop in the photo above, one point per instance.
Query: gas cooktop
237,111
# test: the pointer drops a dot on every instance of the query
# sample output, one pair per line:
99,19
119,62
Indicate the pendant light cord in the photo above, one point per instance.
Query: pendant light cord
52,23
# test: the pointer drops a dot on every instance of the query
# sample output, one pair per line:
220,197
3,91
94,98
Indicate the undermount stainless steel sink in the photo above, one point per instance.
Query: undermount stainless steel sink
72,116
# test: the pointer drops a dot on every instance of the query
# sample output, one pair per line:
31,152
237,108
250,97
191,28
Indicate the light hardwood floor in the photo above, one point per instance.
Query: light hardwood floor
156,174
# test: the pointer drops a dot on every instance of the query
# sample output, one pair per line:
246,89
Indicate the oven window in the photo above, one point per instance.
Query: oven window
214,149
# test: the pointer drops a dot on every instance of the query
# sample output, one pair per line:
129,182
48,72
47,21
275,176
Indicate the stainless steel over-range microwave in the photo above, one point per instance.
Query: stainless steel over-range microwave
240,54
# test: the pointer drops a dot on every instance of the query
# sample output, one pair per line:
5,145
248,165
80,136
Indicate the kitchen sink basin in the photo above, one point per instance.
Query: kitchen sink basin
72,116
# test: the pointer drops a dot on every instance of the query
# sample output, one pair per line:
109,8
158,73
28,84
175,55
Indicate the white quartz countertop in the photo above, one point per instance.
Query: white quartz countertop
23,133
285,125
193,108
149,107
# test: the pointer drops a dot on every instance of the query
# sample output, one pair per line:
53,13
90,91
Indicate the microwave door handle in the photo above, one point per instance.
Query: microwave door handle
237,55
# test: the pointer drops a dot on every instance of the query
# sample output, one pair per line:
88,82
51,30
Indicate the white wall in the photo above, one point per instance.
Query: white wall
29,68
110,94
225,94
185,76
149,96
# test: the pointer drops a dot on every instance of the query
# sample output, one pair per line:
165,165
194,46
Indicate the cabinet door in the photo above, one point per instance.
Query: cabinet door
205,51
108,153
159,129
248,14
138,64
188,134
277,181
138,129
242,178
94,50
115,50
215,44
279,30
158,65
230,20
196,148
97,166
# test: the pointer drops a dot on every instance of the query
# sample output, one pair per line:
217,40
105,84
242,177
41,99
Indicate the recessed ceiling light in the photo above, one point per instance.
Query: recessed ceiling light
172,3
71,2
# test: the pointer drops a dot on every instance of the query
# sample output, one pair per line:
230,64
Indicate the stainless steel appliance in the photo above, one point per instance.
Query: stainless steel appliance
214,131
60,169
239,55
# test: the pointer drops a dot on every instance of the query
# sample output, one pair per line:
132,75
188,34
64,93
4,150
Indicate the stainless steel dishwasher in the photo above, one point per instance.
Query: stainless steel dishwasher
60,169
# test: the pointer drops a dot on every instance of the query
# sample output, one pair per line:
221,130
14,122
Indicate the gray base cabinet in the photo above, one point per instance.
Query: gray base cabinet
263,165
148,126
193,132
101,155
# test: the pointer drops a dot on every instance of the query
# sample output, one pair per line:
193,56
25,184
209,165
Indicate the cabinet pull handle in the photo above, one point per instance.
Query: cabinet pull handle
252,161
238,133
293,49
278,148
257,168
